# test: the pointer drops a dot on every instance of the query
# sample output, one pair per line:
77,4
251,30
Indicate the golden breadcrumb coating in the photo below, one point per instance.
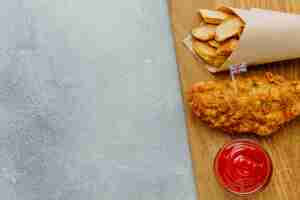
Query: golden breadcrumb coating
251,105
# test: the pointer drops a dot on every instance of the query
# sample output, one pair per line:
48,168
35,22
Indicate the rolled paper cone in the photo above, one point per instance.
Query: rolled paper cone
268,36
268,11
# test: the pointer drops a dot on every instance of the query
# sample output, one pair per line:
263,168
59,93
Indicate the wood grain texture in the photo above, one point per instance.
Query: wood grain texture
283,146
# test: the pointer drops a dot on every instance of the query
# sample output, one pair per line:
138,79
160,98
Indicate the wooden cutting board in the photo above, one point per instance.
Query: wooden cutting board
283,146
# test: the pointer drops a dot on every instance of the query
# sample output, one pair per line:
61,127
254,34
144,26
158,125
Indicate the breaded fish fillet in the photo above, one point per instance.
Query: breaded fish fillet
251,105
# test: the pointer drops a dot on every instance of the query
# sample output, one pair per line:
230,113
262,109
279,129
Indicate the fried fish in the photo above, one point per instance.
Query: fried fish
259,105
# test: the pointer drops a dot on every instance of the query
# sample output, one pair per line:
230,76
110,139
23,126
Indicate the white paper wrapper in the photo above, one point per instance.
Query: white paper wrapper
268,36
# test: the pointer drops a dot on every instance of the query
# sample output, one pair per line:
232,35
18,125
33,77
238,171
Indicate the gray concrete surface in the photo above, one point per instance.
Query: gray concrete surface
90,107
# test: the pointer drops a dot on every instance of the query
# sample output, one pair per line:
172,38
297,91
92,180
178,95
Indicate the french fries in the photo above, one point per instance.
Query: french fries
219,60
205,32
205,51
213,16
216,39
227,47
229,28
214,43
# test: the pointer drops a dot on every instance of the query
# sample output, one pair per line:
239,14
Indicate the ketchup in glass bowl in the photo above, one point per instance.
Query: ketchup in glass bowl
243,167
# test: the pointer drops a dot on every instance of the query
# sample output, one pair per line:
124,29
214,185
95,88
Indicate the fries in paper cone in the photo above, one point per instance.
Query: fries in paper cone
231,36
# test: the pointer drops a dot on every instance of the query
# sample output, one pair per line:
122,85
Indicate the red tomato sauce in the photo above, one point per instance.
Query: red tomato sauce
243,167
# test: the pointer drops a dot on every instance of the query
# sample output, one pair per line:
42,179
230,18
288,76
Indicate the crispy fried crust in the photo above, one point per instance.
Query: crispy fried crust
261,104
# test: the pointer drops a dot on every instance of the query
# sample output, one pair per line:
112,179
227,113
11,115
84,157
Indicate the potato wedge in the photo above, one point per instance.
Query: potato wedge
229,28
204,49
205,32
227,47
214,43
213,16
219,60
206,52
